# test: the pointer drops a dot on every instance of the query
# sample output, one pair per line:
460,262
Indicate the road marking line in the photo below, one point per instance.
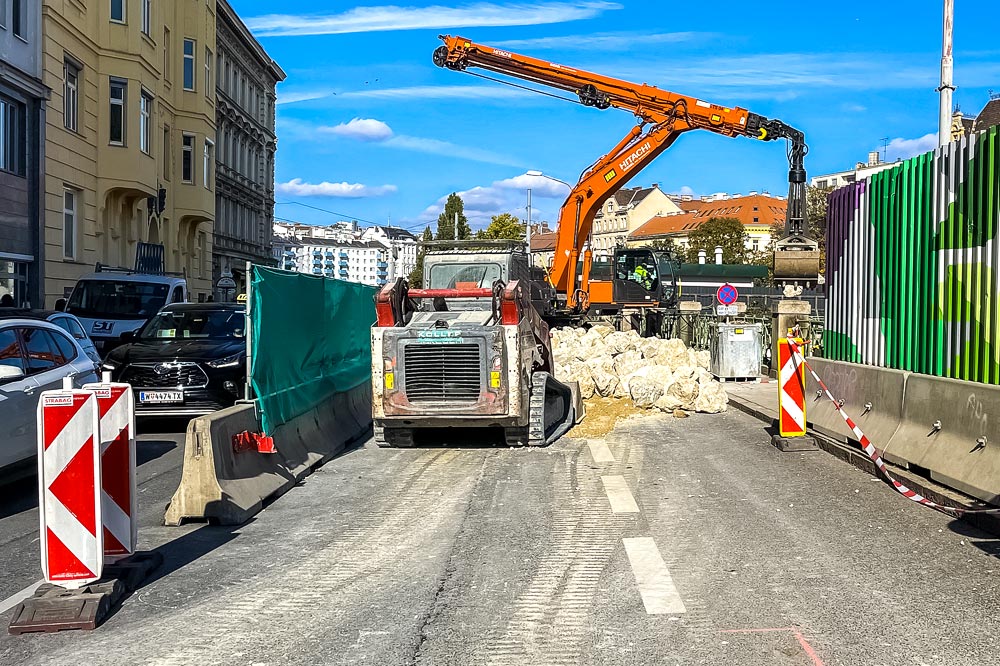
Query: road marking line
599,451
18,597
656,587
619,495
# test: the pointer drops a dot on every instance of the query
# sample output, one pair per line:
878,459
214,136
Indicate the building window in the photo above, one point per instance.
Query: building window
118,98
187,159
208,72
145,131
166,55
166,153
118,11
12,137
19,19
147,16
189,64
71,95
207,162
70,198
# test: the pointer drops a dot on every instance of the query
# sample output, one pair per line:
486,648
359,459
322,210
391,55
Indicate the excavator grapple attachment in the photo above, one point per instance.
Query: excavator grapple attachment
796,262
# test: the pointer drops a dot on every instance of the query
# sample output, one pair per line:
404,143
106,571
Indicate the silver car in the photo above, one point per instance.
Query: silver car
35,355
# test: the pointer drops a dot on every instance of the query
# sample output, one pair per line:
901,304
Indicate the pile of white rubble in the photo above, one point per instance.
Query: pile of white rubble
654,373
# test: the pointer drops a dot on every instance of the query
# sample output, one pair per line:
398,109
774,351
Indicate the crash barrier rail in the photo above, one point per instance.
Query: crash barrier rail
911,268
936,426
310,339
874,455
230,470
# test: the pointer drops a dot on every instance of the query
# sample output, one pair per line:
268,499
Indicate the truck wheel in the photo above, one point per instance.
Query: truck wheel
393,438
516,437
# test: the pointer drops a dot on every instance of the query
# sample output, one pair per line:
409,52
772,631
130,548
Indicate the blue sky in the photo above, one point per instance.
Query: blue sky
370,129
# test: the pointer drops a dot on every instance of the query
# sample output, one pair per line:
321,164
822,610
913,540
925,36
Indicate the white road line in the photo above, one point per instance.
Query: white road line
656,587
599,451
18,597
619,495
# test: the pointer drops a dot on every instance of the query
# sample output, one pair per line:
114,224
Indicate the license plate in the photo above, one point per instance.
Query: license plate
161,397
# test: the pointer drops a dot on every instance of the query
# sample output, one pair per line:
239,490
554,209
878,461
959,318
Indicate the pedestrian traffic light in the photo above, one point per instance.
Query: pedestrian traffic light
161,201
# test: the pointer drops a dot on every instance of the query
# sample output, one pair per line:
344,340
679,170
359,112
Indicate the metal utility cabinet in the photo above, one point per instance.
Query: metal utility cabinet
736,351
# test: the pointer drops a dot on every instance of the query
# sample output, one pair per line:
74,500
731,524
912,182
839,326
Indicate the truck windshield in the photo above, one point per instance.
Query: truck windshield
196,324
464,276
110,299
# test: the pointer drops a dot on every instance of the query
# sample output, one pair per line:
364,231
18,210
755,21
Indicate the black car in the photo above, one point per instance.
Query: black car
189,360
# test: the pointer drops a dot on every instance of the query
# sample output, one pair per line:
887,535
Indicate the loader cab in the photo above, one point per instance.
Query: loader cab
644,277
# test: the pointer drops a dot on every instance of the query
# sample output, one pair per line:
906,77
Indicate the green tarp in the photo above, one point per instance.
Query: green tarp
310,339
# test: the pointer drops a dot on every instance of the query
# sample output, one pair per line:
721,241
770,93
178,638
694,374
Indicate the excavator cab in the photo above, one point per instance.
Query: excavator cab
643,276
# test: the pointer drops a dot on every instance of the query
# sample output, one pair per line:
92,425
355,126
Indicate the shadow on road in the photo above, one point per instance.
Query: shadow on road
151,449
980,531
162,425
19,496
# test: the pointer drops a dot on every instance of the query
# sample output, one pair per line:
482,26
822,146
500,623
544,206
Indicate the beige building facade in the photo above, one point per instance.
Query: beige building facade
131,126
623,213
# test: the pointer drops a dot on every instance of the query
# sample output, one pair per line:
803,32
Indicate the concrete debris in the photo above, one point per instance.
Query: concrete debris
650,372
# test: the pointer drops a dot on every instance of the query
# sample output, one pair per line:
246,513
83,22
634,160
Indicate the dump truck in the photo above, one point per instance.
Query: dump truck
469,350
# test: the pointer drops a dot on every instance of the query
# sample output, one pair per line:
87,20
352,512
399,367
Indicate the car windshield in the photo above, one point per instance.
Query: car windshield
196,325
463,276
111,299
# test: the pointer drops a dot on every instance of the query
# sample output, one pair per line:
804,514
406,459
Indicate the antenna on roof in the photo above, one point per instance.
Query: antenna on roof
885,146
993,95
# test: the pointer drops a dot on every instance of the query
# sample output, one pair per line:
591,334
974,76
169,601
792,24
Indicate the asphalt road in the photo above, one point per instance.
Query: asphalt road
686,541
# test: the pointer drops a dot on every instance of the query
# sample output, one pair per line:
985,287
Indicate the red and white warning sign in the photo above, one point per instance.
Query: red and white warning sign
116,405
69,472
791,391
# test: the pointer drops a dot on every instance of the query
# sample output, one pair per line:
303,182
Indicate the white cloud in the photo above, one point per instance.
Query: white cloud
606,41
687,191
540,186
361,129
437,92
298,188
853,108
906,148
302,96
436,17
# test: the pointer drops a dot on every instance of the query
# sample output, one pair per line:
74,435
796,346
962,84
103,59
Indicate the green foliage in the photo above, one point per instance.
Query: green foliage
446,220
503,226
416,277
725,231
816,207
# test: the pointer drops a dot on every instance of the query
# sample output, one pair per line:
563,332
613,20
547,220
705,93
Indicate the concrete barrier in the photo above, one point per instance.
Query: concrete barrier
952,429
228,487
873,398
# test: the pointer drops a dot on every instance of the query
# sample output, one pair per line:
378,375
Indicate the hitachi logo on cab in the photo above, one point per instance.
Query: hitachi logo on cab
629,161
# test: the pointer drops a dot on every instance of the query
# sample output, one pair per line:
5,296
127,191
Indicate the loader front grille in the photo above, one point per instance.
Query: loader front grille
442,372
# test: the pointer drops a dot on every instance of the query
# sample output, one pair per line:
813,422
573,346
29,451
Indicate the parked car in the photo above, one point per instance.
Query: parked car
189,360
35,355
63,320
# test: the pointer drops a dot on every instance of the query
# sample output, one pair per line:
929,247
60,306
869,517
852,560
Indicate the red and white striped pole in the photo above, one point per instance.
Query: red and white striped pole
69,487
116,405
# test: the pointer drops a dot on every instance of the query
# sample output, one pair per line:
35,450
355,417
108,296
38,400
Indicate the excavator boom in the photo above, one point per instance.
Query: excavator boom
662,117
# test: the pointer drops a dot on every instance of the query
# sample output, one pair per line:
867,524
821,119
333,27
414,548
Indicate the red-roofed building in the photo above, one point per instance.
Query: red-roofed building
757,212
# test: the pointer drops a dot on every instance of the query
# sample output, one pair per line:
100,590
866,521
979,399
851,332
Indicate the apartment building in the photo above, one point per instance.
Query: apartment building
624,212
130,137
22,140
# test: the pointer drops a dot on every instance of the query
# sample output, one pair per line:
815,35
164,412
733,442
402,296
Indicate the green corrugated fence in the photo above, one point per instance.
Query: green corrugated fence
912,264
310,339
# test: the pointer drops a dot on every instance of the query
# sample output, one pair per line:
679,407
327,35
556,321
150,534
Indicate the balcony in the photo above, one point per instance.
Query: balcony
344,263
343,255
383,264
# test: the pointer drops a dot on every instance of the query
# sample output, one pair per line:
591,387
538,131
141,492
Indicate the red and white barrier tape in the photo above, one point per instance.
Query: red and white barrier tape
872,452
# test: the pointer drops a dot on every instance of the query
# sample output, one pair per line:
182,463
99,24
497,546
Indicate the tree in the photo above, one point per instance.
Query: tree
446,220
416,278
816,207
503,226
725,231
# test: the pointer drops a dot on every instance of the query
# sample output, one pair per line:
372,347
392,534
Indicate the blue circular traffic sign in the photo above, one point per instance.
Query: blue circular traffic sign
727,294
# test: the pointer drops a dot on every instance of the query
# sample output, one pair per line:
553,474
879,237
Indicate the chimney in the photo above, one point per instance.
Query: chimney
701,256
718,254
873,159
656,186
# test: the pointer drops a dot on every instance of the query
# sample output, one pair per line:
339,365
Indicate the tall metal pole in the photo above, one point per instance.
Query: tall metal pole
456,225
527,229
947,74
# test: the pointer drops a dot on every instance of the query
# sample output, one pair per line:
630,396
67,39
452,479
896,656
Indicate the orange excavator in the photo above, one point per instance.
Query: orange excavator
662,117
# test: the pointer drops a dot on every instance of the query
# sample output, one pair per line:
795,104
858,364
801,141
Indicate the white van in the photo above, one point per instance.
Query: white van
111,302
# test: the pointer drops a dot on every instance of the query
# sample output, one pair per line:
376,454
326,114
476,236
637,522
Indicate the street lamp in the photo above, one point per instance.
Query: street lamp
537,174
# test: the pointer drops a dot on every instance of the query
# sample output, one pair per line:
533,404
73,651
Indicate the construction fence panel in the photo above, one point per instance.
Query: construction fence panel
912,259
310,339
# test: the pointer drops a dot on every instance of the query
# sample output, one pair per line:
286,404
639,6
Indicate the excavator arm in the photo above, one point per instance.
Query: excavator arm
662,117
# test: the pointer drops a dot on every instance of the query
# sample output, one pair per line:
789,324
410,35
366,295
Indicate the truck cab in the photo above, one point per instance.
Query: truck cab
111,302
